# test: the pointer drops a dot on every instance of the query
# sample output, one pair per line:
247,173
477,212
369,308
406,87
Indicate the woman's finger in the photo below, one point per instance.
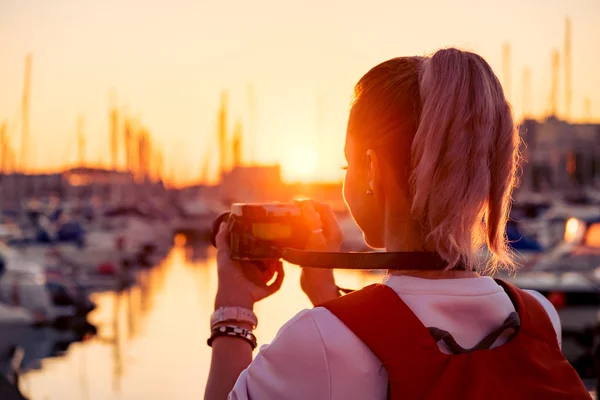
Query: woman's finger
269,272
252,272
316,242
276,285
331,228
222,241
311,216
221,238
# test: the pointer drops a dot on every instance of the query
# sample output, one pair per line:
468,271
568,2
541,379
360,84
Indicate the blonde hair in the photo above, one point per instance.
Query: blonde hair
449,132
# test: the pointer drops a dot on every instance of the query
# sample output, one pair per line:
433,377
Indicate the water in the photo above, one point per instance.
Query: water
151,340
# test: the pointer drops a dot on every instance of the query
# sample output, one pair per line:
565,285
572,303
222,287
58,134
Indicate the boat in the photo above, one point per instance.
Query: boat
11,316
545,220
23,284
15,322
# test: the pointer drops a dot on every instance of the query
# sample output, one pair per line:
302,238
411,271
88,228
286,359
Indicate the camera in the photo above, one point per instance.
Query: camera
259,231
262,232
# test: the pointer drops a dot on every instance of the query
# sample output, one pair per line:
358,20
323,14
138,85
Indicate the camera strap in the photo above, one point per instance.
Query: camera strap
419,260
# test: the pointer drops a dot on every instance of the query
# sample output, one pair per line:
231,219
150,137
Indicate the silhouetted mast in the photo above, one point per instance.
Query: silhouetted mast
127,135
506,70
114,132
25,114
252,111
143,146
568,93
554,91
160,170
237,144
222,132
205,169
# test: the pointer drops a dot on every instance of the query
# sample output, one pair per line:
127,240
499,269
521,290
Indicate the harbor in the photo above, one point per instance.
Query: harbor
126,131
150,340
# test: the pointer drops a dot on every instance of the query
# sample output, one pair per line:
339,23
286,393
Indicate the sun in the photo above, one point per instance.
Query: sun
300,162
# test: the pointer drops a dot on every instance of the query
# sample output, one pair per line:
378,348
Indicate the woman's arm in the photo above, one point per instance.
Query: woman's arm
240,285
243,284
230,356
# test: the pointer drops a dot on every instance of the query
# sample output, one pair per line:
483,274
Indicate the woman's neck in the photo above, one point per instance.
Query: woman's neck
407,237
403,236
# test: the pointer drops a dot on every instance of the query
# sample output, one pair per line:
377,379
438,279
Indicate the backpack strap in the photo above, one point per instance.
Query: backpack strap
512,322
535,321
389,328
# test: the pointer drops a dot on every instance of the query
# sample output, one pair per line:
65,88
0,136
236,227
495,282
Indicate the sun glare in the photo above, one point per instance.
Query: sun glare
300,162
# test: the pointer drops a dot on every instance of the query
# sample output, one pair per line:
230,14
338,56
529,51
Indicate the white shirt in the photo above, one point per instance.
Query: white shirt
315,356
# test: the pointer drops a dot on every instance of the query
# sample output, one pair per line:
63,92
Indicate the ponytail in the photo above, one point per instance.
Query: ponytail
464,159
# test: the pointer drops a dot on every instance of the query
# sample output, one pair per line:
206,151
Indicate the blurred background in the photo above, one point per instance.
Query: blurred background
126,127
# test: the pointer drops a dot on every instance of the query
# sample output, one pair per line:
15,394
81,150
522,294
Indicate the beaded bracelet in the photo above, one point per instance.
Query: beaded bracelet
233,331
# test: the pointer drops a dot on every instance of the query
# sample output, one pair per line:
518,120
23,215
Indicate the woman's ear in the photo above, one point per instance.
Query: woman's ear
374,171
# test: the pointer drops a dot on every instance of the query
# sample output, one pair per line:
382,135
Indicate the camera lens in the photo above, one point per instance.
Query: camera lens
214,229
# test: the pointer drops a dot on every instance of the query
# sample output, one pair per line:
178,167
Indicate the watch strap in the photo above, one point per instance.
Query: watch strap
233,314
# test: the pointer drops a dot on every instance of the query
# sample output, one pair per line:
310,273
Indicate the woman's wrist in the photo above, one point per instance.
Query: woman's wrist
228,298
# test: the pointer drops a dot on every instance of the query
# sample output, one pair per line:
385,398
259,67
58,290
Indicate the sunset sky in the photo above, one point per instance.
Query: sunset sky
168,62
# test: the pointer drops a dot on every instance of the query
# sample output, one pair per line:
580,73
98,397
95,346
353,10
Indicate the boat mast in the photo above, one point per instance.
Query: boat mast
252,112
237,144
222,132
25,114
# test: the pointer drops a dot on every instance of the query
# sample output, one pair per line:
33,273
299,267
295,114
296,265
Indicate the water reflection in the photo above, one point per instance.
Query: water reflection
149,342
151,339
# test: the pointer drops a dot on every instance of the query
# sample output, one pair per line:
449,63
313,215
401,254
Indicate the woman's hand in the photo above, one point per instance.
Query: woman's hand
319,284
242,283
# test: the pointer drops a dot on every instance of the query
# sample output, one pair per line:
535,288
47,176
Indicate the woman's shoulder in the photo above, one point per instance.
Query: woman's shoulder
313,346
324,348
319,328
550,310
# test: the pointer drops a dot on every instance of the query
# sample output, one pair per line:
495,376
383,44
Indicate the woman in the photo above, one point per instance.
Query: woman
432,153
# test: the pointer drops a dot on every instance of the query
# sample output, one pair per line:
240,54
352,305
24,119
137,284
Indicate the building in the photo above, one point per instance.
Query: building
559,155
17,187
103,183
74,183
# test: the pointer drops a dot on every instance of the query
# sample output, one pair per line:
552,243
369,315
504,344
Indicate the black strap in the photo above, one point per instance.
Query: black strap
512,322
420,260
417,260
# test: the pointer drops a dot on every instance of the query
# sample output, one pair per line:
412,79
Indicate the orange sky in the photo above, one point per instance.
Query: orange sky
169,61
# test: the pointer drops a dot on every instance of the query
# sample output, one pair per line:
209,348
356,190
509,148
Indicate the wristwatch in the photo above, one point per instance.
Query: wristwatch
230,314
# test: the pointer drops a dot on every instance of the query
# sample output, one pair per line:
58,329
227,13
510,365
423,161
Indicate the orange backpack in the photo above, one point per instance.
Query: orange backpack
529,366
